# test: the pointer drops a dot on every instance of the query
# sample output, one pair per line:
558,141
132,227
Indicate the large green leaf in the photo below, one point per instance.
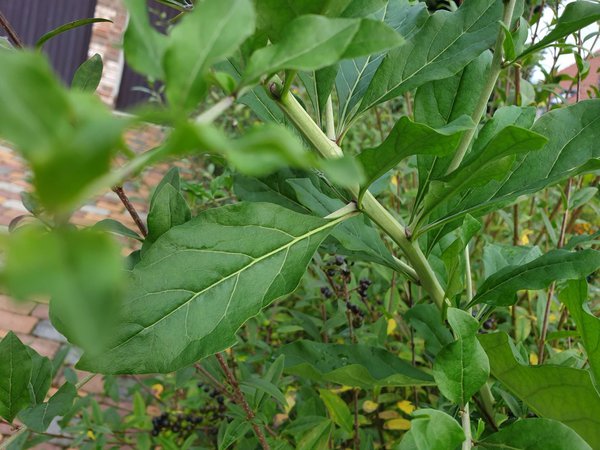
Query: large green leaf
492,163
553,392
427,321
444,44
355,75
431,429
532,434
498,256
500,288
576,16
338,410
350,365
571,149
408,138
461,367
200,281
39,417
144,46
312,42
207,35
439,102
575,296
67,138
19,385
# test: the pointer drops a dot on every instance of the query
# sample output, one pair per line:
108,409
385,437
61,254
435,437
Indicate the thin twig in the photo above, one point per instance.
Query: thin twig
130,209
241,401
12,34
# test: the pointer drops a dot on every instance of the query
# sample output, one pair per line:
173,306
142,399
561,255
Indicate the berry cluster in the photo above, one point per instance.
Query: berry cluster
357,315
363,285
184,423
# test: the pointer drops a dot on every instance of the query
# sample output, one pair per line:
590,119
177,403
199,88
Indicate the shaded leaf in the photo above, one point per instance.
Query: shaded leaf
432,430
116,227
500,288
575,296
534,433
200,281
38,418
15,373
442,46
427,321
338,410
66,27
552,392
350,365
88,74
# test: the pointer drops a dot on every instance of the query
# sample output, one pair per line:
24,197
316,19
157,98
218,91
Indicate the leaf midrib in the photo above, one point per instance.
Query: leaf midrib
233,274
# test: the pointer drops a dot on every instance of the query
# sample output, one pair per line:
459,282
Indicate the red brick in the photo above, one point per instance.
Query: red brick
16,322
45,347
41,311
8,304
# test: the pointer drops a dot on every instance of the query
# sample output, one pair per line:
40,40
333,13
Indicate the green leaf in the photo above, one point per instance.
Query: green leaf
461,368
312,42
67,138
87,76
116,227
167,210
319,84
534,433
355,75
408,138
571,150
463,324
432,430
81,272
350,365
500,288
338,410
234,431
441,47
493,162
200,281
258,384
38,418
439,102
207,35
553,392
311,432
577,15
144,46
427,321
498,256
575,296
15,374
41,377
66,27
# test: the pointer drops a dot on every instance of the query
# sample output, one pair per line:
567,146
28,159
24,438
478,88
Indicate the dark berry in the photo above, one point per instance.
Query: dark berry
339,260
176,428
326,292
331,272
220,399
155,432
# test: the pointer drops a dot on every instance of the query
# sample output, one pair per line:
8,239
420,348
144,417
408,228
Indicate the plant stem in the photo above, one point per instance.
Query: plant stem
329,120
465,418
370,206
466,425
130,209
488,89
10,31
241,401
215,111
4,445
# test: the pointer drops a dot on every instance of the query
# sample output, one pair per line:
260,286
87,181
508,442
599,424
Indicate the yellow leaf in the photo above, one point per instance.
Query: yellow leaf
369,406
533,359
90,434
388,415
395,180
391,326
290,397
397,424
406,406
341,389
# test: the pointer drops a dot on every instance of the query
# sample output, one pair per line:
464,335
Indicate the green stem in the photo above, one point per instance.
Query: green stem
490,82
329,121
466,425
370,206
